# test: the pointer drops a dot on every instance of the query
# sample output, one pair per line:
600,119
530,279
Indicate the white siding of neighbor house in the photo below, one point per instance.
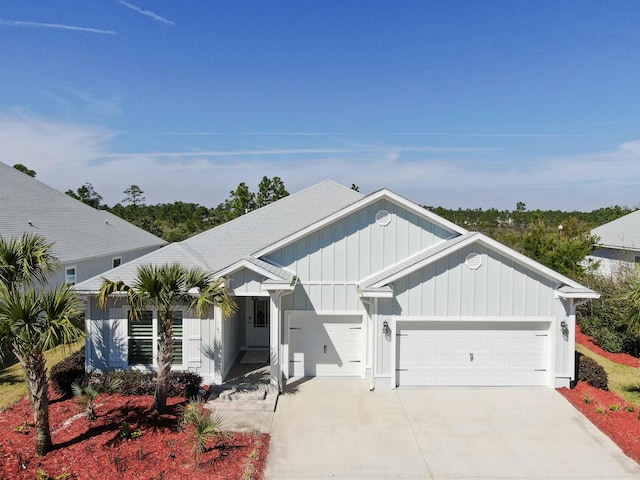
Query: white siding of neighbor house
332,260
612,261
91,267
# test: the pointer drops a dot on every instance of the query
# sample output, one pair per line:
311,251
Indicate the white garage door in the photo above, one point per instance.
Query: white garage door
472,353
325,346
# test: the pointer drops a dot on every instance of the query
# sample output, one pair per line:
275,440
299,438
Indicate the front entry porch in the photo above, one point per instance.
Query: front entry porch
246,391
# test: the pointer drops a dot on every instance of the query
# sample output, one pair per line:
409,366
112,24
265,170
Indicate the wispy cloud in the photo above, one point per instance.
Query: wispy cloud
17,23
294,151
108,106
148,13
67,155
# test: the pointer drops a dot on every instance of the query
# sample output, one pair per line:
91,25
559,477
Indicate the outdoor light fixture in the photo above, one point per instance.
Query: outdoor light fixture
565,329
385,327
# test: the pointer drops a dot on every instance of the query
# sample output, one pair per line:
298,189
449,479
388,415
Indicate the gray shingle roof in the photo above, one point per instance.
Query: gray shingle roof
230,242
77,230
622,233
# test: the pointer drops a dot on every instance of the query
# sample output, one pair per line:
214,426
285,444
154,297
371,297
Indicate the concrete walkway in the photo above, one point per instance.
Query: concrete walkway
338,429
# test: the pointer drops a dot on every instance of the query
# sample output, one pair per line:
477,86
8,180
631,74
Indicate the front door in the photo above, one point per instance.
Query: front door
258,322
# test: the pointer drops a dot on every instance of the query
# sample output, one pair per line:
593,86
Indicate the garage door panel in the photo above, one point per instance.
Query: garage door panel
325,345
472,353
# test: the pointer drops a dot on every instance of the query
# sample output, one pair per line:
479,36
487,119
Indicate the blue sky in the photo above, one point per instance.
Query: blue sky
452,103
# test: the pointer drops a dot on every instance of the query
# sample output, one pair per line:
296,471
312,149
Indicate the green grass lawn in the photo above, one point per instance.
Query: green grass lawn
12,384
625,381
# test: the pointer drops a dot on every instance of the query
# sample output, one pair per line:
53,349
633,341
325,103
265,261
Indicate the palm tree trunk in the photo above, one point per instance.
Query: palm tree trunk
165,358
35,371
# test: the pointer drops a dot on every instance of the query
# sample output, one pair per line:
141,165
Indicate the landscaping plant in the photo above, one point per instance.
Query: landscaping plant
168,289
34,320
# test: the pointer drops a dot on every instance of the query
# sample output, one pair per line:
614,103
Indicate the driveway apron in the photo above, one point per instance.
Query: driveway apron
336,428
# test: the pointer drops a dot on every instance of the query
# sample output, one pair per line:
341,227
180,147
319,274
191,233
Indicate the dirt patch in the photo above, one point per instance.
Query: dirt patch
156,448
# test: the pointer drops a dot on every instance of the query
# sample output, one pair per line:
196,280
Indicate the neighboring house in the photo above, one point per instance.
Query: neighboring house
85,240
336,283
619,245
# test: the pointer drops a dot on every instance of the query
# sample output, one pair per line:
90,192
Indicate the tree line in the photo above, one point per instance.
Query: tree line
177,221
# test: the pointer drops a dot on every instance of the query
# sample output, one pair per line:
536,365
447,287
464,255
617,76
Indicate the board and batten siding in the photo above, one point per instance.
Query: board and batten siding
246,282
447,288
107,341
330,261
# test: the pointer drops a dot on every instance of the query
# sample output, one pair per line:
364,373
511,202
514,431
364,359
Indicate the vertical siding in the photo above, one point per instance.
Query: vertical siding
231,341
246,282
331,261
448,287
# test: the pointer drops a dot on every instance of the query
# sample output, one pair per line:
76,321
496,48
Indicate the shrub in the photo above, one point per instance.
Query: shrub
606,319
135,382
67,372
592,372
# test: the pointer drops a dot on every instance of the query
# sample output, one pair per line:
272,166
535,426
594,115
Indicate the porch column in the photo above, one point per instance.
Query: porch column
274,340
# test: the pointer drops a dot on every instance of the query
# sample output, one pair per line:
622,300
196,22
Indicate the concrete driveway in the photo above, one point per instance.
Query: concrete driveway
338,429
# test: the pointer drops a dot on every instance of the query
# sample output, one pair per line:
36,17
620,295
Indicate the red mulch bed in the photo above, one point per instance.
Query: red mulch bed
622,426
90,450
621,358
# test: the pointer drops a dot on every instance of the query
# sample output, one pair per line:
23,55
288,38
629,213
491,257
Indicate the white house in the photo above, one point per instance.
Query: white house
85,240
336,283
619,247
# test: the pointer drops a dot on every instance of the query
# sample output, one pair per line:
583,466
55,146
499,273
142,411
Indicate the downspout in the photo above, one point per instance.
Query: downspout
374,351
281,293
374,356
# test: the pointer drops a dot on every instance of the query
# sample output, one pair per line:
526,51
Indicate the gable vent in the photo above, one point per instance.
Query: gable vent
383,218
473,260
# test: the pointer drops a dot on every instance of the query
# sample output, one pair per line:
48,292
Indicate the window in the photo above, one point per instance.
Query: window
261,313
117,261
70,275
143,336
140,333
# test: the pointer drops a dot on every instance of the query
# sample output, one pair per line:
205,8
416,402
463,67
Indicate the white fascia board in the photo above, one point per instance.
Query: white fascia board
369,199
376,294
617,247
588,295
418,265
268,287
249,266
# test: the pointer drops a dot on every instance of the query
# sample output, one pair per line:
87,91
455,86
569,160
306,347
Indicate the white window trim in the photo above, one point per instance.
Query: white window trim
154,343
75,274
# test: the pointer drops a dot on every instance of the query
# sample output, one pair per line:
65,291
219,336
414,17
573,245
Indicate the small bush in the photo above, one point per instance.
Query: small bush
134,382
67,372
592,372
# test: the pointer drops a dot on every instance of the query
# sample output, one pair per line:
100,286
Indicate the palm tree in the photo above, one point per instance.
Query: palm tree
168,289
32,321
25,261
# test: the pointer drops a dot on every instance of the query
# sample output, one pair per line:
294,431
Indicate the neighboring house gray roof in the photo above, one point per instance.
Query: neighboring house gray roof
230,242
78,231
622,233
